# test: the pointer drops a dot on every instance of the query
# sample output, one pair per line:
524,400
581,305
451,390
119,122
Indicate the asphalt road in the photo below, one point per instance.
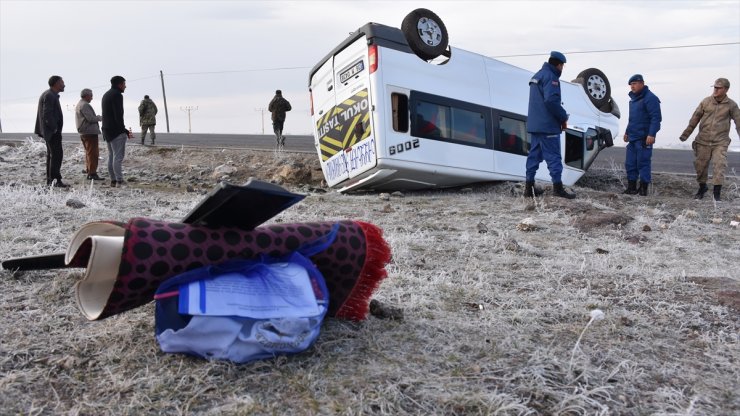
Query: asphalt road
664,160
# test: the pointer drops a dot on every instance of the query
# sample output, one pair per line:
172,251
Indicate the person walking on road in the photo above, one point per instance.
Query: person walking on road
49,122
546,120
278,107
147,118
114,129
89,129
642,127
713,116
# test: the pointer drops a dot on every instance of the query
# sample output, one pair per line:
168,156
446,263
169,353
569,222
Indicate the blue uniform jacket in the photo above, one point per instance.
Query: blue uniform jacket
645,115
546,113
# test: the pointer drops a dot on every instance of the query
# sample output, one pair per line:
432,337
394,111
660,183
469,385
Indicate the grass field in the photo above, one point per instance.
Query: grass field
498,298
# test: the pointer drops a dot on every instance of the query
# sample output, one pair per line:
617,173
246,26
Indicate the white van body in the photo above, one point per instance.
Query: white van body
370,97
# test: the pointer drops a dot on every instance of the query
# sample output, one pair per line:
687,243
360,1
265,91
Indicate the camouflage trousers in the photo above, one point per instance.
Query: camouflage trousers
716,153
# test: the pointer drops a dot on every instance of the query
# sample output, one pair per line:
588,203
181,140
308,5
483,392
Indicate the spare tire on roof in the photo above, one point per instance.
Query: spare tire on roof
596,85
425,33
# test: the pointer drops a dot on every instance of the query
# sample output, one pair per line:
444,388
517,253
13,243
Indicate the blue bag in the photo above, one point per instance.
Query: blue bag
245,310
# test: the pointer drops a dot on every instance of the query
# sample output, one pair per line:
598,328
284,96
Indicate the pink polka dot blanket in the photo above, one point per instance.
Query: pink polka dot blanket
126,262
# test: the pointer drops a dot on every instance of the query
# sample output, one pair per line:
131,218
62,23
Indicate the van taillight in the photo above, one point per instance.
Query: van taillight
310,94
372,57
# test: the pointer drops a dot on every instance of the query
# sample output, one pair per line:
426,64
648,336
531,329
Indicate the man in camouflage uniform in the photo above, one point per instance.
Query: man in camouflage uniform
278,106
147,118
713,116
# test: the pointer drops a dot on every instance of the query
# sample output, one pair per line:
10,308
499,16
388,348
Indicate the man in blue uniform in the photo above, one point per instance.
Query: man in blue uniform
546,120
643,125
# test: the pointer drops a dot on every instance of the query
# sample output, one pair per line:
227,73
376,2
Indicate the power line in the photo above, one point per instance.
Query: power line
624,50
290,68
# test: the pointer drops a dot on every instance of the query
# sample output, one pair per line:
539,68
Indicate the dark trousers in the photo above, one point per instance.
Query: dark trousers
54,156
638,161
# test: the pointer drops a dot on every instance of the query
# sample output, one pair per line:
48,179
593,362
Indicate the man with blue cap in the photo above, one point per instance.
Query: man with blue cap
546,120
643,125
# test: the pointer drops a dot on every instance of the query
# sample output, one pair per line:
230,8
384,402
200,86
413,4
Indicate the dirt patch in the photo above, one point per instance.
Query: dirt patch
726,290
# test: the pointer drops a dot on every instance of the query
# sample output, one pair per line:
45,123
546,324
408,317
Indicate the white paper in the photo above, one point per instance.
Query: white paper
285,291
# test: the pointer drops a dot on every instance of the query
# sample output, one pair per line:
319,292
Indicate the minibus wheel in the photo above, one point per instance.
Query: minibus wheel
596,85
425,33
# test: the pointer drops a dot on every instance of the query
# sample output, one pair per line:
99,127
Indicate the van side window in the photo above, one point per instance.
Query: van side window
400,108
468,126
512,136
432,120
446,119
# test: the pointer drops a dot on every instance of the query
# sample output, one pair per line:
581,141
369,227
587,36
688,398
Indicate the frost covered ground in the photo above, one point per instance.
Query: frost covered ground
497,297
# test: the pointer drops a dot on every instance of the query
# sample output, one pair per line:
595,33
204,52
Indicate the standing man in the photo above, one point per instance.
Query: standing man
114,129
713,117
147,118
49,122
546,120
87,126
643,125
278,107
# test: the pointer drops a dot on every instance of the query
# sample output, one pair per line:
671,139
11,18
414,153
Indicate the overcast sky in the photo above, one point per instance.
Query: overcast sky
228,57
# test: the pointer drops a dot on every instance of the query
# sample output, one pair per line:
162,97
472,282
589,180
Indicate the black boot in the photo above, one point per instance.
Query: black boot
717,191
631,188
560,191
702,190
643,188
529,189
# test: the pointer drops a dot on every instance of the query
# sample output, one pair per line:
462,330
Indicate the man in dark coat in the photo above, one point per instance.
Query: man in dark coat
278,107
546,120
115,133
642,127
49,122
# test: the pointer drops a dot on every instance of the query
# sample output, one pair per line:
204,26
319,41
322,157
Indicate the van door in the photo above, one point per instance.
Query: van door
323,96
354,134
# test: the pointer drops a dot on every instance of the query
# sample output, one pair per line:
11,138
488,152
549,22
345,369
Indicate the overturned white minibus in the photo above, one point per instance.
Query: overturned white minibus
397,109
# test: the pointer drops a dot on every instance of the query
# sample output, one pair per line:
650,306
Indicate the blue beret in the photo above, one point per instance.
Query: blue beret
634,78
557,55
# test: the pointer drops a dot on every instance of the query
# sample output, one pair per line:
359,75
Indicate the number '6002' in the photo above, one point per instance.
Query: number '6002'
402,147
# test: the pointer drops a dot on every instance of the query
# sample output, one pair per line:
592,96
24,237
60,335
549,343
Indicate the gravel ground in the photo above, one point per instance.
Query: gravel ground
498,300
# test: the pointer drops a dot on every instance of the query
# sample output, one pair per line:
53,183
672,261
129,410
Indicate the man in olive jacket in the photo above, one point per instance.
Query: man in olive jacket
49,122
147,118
713,117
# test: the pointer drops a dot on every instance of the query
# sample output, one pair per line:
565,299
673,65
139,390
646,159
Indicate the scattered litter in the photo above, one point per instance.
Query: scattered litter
481,227
716,220
646,228
398,194
734,224
601,251
383,311
384,196
74,203
527,224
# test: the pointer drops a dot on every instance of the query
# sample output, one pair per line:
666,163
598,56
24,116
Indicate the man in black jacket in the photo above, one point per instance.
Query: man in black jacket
278,106
114,129
49,121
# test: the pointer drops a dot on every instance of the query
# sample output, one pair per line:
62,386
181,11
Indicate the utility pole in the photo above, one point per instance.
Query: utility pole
262,117
164,96
189,109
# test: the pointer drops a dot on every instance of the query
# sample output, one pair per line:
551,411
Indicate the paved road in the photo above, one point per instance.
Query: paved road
251,141
664,160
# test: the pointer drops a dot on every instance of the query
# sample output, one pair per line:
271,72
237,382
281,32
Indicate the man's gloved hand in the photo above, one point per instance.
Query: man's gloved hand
683,138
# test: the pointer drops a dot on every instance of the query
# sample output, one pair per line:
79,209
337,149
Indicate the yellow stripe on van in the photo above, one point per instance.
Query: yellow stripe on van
338,129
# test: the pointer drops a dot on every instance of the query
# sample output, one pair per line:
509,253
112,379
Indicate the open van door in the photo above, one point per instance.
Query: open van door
344,135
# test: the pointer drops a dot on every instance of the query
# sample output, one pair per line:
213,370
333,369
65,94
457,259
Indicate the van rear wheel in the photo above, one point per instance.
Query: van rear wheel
425,33
596,85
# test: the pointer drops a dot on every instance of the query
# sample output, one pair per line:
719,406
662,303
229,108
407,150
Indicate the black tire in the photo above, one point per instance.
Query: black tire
428,41
596,85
